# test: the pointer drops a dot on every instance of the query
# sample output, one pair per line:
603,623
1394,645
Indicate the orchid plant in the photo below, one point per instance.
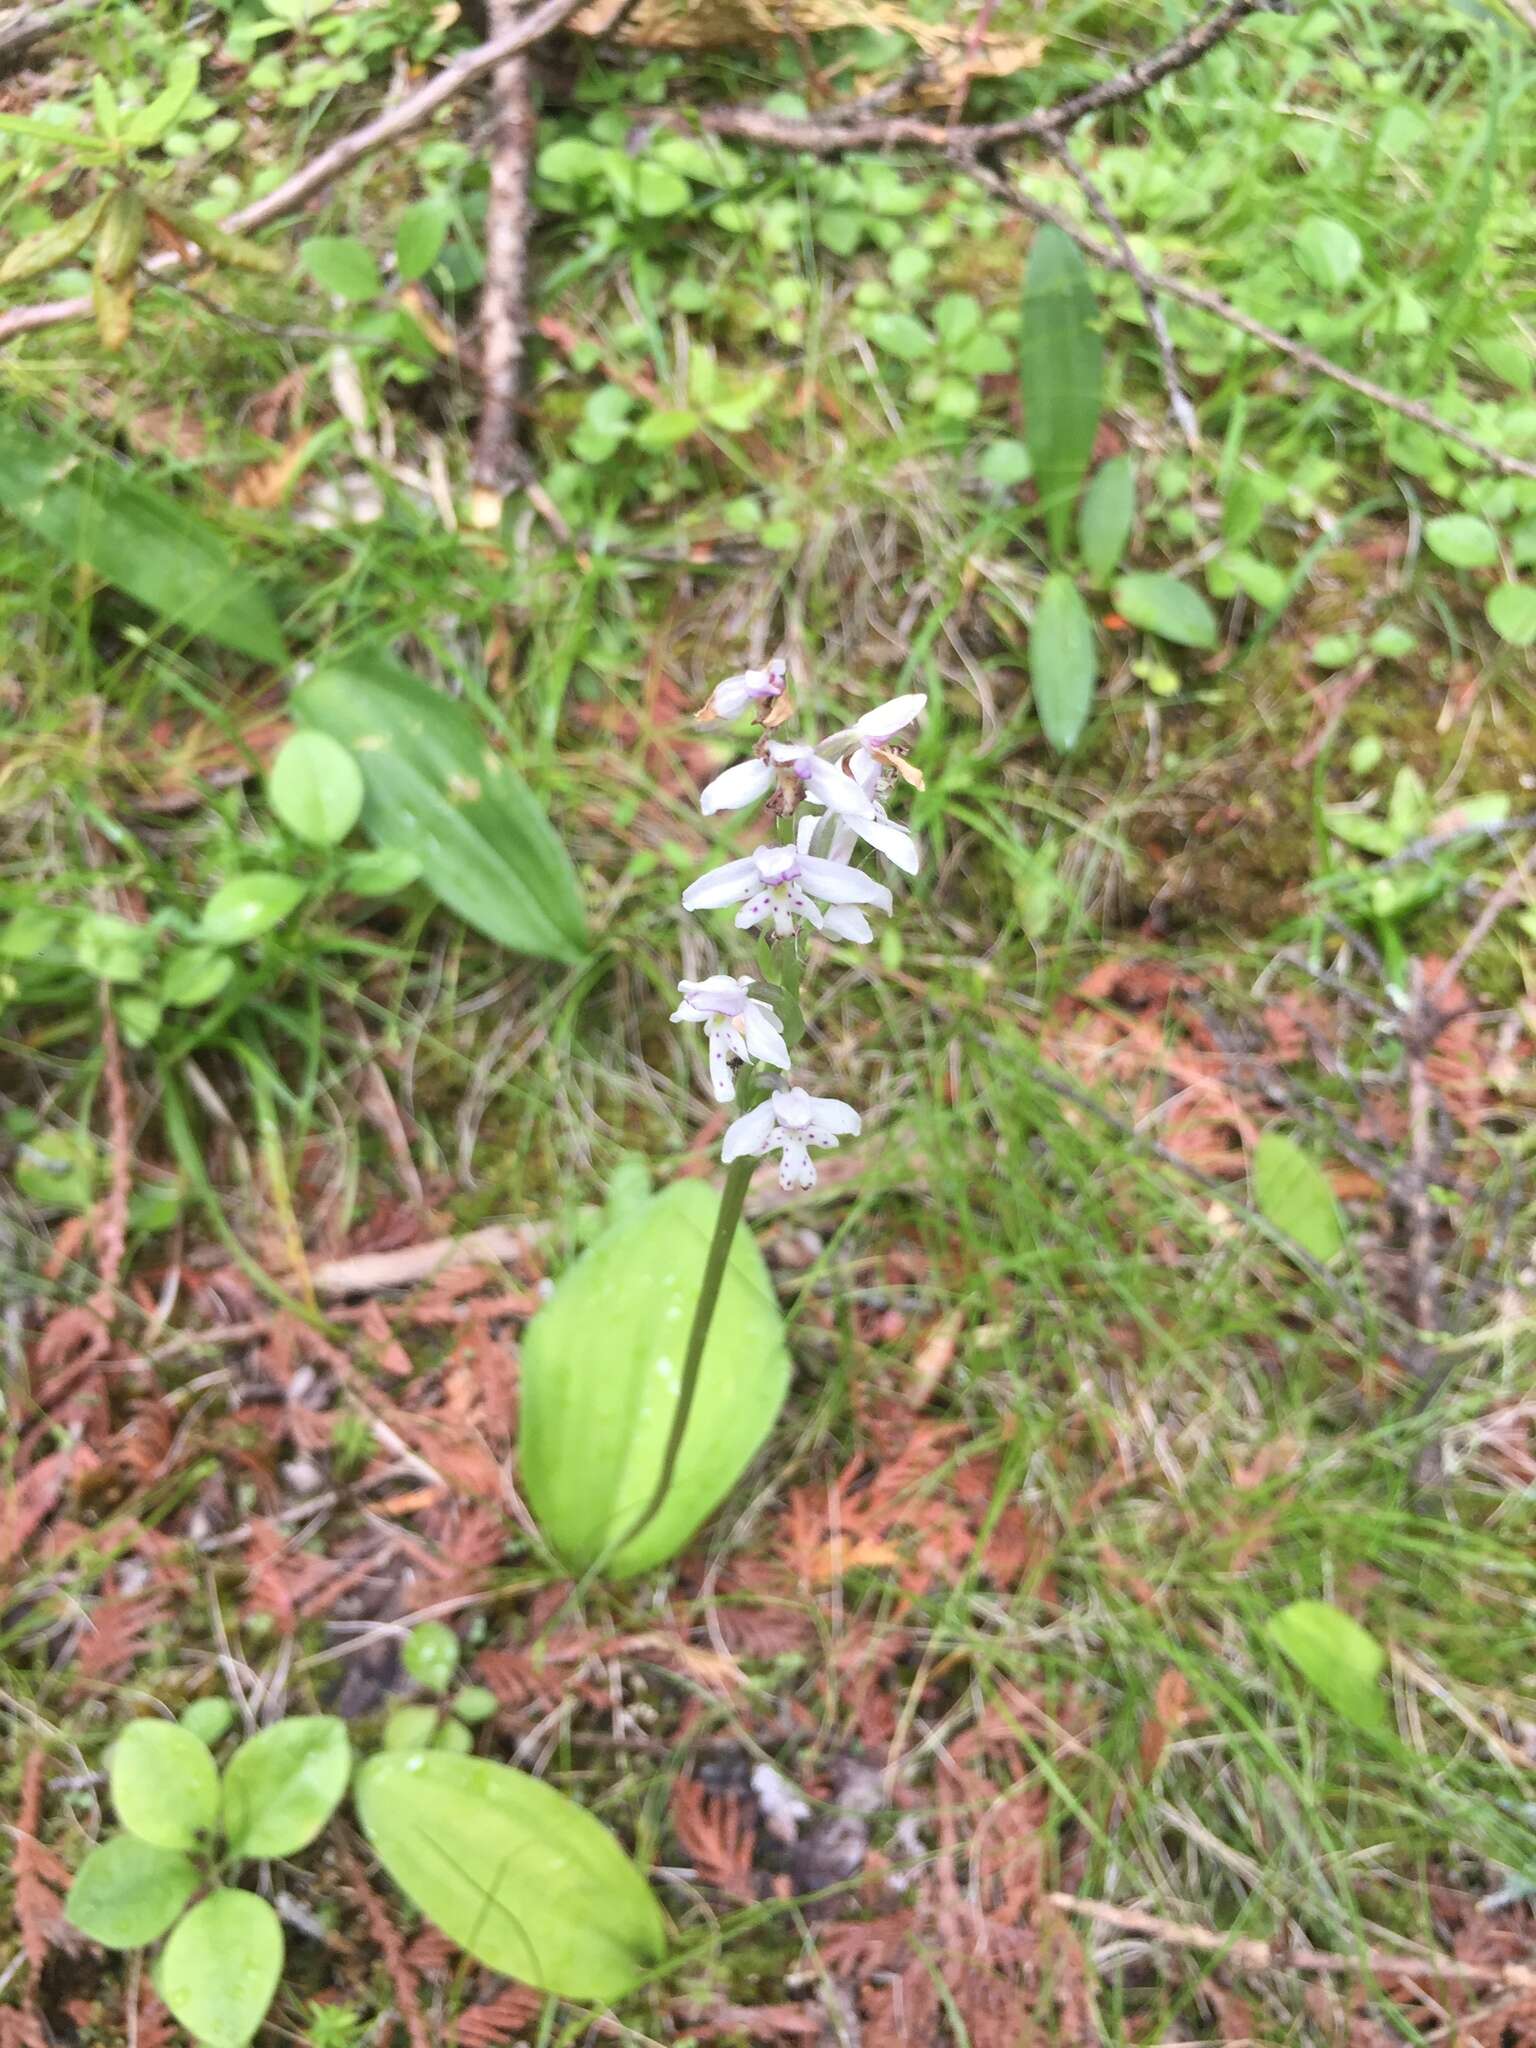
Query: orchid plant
828,800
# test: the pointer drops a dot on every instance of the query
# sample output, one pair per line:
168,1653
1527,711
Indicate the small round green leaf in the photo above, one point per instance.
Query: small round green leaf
431,1655
384,873
1461,540
282,1786
475,1703
209,1720
218,1971
1295,1195
316,788
194,975
1341,1660
248,906
128,1892
411,1728
1165,606
165,1785
1512,613
342,265
419,238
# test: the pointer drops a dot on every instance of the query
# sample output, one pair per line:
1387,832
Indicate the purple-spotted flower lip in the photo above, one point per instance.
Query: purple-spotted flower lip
789,1123
788,884
738,1027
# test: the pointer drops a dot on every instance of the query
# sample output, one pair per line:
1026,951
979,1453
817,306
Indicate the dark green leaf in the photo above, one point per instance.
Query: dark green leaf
219,1969
282,1786
517,1874
419,238
599,1381
128,1892
1061,367
1104,519
436,790
342,265
1063,664
136,538
1167,607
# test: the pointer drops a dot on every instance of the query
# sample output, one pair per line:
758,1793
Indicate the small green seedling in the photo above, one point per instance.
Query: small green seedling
167,1875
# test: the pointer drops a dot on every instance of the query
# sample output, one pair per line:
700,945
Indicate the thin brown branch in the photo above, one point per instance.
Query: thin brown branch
1242,1952
28,25
1178,399
828,135
504,302
1222,309
406,115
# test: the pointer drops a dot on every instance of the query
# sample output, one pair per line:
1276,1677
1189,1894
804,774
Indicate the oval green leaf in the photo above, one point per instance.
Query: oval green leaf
1462,540
1104,519
316,788
1061,370
218,1971
1293,1193
135,538
165,1785
518,1875
193,975
1165,606
1512,613
248,906
343,266
127,1892
419,238
431,1655
599,1384
436,790
282,1786
1063,664
1339,1659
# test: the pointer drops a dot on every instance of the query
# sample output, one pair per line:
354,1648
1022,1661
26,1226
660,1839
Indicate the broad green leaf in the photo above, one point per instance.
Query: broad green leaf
1328,251
316,788
1061,368
1104,519
666,427
1338,1659
165,1785
1511,612
1165,606
570,159
136,538
1462,540
248,906
431,1655
1063,663
1293,1193
436,790
343,266
901,335
29,932
419,238
127,1892
518,1875
193,975
599,1378
52,245
282,1786
221,1966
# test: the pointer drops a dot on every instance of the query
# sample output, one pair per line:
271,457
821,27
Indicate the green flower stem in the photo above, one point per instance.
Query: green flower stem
731,1202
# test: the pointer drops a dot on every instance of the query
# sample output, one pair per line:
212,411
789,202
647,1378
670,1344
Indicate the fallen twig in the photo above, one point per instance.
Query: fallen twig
1243,1952
411,112
375,1272
504,302
29,25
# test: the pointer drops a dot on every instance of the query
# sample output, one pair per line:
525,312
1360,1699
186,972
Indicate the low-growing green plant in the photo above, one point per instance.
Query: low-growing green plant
513,1871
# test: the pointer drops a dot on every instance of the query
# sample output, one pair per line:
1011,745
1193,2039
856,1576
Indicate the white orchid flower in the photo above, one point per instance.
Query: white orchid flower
737,1025
886,720
749,782
789,1123
876,828
753,686
787,883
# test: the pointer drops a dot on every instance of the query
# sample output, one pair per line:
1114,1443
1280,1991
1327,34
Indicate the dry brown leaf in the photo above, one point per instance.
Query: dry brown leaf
717,1836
